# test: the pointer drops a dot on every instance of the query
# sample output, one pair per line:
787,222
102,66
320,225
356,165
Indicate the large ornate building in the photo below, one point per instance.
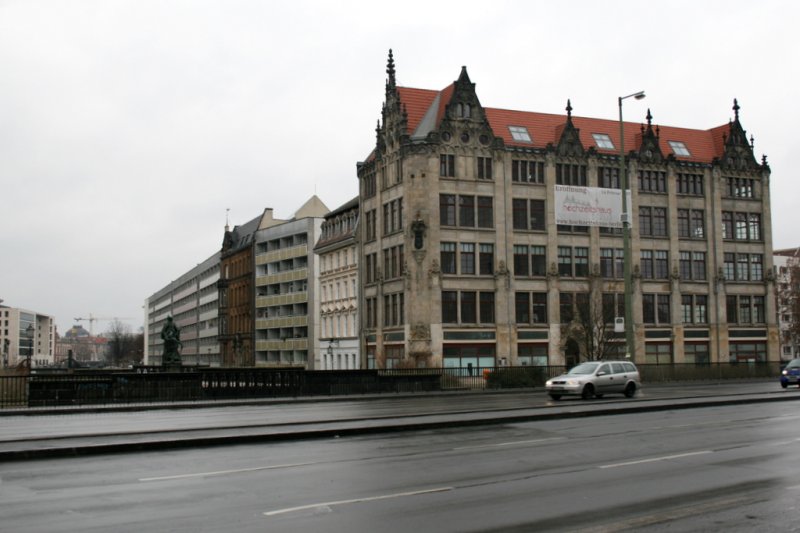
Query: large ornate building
462,261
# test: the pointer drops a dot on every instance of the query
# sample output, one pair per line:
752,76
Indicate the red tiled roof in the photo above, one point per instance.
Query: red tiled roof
544,128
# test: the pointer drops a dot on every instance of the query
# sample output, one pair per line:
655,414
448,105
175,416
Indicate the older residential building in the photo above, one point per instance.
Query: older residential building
26,337
463,262
338,281
192,302
237,291
787,266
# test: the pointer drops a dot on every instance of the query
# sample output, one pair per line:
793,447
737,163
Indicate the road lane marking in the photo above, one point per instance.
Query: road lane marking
655,459
511,443
355,500
221,472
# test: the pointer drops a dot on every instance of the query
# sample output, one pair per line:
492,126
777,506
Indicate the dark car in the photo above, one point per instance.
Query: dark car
791,373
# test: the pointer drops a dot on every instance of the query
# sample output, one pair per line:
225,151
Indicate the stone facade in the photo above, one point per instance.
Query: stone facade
462,262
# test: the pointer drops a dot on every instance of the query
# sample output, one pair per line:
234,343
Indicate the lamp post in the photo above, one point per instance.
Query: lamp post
626,232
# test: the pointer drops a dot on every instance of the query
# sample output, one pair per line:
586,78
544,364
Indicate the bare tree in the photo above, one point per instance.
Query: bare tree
594,328
124,347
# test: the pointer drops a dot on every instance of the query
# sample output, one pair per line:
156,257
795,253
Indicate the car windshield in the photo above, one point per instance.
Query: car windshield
794,363
584,368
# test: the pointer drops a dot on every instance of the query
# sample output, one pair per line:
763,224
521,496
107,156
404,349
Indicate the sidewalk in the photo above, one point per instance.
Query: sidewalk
89,432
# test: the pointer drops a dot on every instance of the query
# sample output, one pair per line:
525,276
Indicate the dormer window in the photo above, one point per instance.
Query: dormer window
679,148
463,110
520,133
603,141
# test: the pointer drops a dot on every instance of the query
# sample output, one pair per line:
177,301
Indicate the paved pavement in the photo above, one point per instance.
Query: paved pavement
41,433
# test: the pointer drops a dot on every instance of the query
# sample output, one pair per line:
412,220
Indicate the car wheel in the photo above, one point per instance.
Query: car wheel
630,390
784,385
555,396
587,392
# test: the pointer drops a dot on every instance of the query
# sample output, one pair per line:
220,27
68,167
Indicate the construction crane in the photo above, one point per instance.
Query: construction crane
92,319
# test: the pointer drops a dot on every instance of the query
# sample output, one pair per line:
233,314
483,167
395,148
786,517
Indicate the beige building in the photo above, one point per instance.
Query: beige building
463,264
337,254
26,336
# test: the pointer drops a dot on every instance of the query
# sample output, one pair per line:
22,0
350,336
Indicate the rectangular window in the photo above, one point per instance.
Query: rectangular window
686,308
645,221
520,260
581,262
729,266
466,211
755,227
570,174
449,307
468,308
538,261
662,310
727,225
756,267
537,215
745,315
485,212
731,309
740,229
523,171
539,301
607,262
649,308
522,308
484,168
486,259
758,310
699,265
565,261
447,166
608,177
685,265
652,181
646,264
698,230
447,209
448,257
700,309
520,213
661,264
487,307
467,258
683,223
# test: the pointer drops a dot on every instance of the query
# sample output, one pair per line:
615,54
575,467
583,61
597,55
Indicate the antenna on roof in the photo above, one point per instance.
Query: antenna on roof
227,224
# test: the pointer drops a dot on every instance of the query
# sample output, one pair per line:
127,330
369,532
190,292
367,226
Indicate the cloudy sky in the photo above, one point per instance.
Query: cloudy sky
128,128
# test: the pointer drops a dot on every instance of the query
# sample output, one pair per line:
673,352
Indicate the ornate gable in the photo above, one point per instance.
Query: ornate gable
738,154
649,149
464,118
569,143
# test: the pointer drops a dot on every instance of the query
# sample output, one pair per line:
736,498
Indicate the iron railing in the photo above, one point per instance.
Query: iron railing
156,384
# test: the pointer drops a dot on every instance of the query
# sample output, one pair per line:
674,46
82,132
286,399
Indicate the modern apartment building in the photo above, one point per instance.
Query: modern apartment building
287,284
192,302
463,261
337,253
26,336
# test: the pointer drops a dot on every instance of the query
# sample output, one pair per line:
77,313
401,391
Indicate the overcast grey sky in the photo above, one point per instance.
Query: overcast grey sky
128,127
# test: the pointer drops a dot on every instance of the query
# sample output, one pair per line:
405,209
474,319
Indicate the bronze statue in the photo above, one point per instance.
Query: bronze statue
171,334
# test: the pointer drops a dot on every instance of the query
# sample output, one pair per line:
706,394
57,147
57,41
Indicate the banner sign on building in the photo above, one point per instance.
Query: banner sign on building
589,206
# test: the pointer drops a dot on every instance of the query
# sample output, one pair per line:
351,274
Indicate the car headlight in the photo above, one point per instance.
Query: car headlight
785,373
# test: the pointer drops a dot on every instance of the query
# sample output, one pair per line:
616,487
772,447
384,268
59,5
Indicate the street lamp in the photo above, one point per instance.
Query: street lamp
626,232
